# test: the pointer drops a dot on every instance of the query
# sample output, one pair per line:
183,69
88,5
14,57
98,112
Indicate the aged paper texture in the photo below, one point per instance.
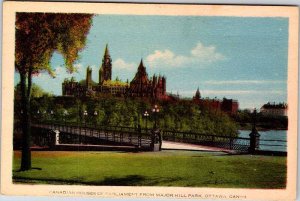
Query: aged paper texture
149,100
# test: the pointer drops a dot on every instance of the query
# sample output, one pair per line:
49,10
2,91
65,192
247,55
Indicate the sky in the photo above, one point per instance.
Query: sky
241,58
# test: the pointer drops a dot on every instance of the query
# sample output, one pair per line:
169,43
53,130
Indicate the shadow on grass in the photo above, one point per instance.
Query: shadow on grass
130,180
33,168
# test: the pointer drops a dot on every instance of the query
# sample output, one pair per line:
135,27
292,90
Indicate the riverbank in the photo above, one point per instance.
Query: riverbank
248,126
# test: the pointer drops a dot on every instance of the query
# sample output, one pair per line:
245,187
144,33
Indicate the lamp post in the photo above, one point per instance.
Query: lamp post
155,110
38,116
146,115
51,116
85,114
65,114
156,140
95,115
95,120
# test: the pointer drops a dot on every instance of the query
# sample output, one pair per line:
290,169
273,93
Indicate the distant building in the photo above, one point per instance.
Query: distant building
197,97
273,109
211,103
140,86
229,106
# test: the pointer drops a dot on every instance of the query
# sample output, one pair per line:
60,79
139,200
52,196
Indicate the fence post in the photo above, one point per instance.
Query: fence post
57,138
231,143
254,136
160,140
156,140
254,141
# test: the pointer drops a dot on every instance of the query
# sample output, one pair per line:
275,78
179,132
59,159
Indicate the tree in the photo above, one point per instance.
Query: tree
38,35
36,91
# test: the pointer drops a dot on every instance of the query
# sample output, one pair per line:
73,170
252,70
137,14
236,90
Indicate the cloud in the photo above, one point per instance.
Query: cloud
241,82
79,68
200,54
123,65
206,53
241,92
166,57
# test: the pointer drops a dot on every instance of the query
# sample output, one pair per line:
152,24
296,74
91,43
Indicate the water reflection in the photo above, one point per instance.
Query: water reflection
269,136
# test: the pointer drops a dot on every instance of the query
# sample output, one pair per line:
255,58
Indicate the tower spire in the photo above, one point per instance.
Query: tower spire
106,67
106,54
142,68
198,95
141,63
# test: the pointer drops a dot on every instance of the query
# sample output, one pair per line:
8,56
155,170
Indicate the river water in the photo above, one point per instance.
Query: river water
280,135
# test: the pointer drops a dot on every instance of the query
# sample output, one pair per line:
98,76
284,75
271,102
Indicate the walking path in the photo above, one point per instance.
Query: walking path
192,147
166,145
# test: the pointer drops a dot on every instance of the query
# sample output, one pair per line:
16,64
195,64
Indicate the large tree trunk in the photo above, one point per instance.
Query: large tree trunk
26,129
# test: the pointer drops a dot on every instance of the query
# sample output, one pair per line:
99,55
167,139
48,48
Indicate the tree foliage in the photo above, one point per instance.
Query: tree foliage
38,36
182,116
36,91
263,122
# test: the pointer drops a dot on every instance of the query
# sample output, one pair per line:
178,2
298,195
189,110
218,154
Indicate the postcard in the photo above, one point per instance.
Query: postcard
128,100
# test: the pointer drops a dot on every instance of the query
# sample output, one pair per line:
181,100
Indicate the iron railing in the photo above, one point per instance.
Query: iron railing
78,133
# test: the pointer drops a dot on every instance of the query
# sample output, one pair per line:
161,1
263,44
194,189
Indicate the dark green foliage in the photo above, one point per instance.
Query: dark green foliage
245,119
273,122
180,116
36,91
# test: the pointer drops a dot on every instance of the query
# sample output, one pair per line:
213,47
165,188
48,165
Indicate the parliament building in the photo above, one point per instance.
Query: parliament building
141,85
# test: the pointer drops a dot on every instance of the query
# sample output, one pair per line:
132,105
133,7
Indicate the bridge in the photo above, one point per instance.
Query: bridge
58,134
55,135
142,139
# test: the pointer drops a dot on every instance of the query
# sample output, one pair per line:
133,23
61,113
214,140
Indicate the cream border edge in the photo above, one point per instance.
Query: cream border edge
9,9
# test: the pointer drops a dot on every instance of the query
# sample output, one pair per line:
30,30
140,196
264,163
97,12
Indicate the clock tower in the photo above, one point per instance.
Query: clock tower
105,70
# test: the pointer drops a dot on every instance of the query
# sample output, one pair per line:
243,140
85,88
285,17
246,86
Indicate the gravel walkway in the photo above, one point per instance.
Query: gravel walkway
183,146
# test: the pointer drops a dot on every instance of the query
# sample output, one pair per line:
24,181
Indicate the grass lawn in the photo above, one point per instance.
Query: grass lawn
166,168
